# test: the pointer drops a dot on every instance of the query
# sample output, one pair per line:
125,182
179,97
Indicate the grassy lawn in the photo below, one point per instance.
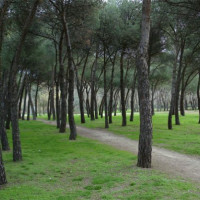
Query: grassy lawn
55,168
184,138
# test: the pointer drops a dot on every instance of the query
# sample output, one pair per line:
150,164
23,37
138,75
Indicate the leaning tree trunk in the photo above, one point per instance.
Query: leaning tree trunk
145,138
72,124
17,153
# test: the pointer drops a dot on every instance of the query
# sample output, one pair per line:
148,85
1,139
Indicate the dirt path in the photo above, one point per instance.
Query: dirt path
162,159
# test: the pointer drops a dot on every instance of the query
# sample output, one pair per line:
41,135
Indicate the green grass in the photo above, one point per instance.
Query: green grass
184,138
55,168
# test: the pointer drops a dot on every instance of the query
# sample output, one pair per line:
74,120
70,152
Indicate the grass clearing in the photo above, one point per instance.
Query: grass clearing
184,138
55,168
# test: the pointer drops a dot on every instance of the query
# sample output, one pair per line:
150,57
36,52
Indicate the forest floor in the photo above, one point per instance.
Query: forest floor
58,169
162,159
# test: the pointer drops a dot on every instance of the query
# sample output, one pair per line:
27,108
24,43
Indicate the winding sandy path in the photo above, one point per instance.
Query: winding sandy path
162,159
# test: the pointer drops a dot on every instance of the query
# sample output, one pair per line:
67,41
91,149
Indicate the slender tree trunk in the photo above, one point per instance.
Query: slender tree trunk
111,93
132,96
24,109
145,138
96,107
152,102
173,93
31,103
93,80
198,95
20,101
105,92
57,104
182,110
72,124
36,99
52,94
62,90
123,105
28,110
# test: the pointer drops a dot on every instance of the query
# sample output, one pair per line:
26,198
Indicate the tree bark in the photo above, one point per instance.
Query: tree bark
145,138
111,91
132,95
123,104
17,153
173,92
72,124
198,95
31,103
36,99
24,108
105,96
62,89
2,171
93,77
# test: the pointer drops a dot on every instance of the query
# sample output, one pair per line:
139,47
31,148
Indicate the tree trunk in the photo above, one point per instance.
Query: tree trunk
3,134
96,107
123,104
20,100
198,95
132,96
72,124
17,154
62,89
24,109
182,110
173,93
111,93
31,103
52,94
145,138
105,97
28,110
36,99
93,80
2,171
57,104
